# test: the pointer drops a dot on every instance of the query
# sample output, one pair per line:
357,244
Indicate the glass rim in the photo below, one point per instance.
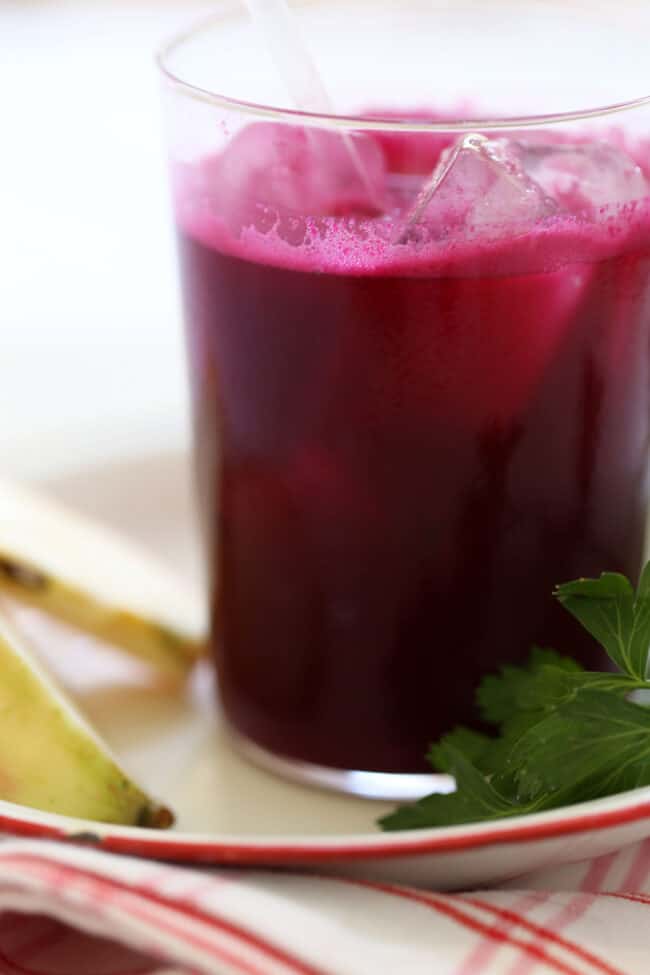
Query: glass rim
358,122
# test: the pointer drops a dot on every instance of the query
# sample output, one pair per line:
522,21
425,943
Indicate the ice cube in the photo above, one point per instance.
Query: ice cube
582,176
478,183
294,170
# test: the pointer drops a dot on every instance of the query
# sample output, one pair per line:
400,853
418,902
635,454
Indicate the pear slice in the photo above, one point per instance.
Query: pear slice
50,758
88,576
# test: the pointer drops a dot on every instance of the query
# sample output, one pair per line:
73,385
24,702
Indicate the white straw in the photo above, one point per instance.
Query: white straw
300,75
290,55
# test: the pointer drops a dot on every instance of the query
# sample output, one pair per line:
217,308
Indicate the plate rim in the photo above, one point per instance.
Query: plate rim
628,807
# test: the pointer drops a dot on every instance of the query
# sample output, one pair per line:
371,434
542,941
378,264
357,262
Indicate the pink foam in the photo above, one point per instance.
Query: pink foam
268,229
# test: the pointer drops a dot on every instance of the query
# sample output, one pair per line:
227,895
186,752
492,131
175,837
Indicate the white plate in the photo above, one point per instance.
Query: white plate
230,812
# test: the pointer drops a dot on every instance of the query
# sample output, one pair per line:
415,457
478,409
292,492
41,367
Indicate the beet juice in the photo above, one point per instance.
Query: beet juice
417,409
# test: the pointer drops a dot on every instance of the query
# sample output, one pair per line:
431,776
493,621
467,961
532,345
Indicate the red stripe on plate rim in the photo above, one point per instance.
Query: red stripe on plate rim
201,849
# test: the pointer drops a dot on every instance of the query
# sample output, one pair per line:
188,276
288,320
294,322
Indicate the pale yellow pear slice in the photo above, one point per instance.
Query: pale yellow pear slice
50,758
89,576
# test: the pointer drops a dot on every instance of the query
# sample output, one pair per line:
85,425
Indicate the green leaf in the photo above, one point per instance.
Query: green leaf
592,746
475,799
615,615
596,745
565,735
539,696
471,744
501,696
560,686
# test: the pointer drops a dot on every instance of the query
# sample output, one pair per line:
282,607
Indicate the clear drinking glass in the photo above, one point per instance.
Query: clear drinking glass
418,339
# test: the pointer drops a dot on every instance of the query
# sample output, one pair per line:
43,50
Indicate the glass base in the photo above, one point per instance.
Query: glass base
392,786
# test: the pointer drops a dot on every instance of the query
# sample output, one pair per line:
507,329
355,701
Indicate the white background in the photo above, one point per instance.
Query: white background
90,328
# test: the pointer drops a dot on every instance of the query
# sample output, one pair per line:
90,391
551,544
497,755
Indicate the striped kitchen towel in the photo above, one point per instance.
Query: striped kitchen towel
67,910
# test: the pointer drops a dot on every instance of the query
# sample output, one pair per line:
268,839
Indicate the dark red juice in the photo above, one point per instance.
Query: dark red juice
402,448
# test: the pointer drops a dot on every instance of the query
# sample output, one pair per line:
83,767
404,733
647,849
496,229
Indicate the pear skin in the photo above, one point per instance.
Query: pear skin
50,758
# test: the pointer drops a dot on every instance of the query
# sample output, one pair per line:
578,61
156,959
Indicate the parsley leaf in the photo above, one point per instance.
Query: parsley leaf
475,798
615,615
508,698
472,745
596,744
562,734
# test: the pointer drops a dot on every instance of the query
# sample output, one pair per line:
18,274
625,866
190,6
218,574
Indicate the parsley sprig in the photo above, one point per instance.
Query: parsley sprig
563,734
